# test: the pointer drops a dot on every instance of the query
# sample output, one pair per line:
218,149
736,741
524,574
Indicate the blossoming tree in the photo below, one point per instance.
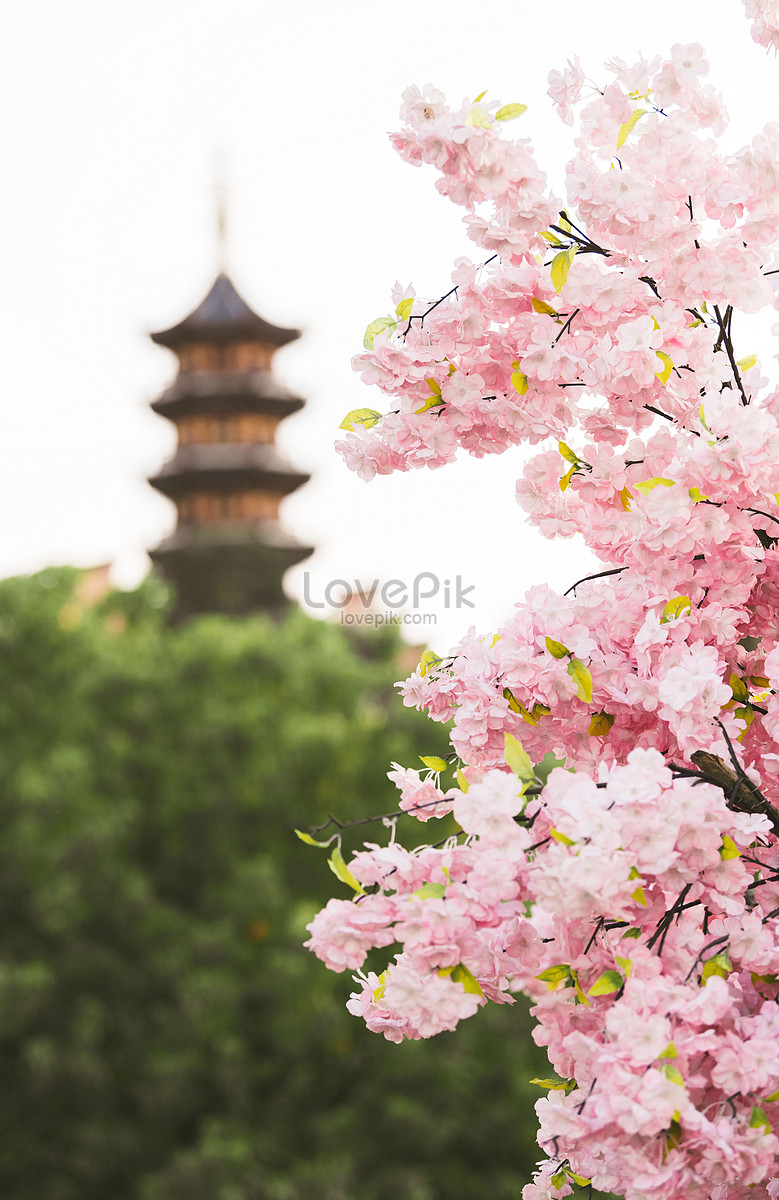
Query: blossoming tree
614,773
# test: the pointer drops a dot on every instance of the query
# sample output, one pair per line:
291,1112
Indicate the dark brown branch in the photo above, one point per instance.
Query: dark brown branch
599,575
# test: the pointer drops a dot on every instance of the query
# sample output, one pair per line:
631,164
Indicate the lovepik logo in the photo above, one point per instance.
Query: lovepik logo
393,593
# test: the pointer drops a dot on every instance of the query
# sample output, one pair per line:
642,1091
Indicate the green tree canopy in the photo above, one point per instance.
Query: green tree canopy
163,1035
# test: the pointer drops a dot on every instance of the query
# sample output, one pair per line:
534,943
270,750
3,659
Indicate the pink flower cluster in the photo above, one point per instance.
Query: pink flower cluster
633,895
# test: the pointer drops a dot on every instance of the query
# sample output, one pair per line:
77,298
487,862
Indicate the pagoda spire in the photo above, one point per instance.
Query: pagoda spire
229,551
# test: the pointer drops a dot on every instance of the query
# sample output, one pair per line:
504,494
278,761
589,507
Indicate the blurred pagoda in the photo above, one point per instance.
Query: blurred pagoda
229,552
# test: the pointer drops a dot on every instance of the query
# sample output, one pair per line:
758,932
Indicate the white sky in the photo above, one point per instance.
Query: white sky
110,118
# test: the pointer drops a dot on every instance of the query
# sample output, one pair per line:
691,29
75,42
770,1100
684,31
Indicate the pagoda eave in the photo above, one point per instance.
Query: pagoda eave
180,483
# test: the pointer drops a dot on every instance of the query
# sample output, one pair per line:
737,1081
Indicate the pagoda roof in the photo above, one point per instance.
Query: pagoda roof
209,391
224,316
214,467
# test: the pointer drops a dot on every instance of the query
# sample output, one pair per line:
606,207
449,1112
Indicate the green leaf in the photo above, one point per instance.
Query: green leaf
626,129
664,374
674,1075
518,758
307,838
462,975
606,984
600,724
561,265
509,112
404,308
380,325
739,689
433,762
680,606
771,1099
544,768
360,416
341,871
632,933
582,678
428,660
556,649
430,891
558,1179
759,1120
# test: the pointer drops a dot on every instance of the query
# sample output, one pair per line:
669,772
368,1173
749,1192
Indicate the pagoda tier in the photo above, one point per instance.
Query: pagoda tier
228,552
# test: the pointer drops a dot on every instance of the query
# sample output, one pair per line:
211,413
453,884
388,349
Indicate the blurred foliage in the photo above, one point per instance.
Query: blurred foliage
163,1035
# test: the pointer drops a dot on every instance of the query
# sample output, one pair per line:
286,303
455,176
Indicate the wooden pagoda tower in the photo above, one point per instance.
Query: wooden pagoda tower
229,552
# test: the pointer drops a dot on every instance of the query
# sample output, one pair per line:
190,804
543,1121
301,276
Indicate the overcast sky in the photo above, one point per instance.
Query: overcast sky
112,117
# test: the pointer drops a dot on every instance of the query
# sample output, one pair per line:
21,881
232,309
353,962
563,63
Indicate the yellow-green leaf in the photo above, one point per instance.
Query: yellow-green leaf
739,689
600,724
606,984
746,364
626,129
557,1085
568,454
674,1075
462,782
552,238
462,975
433,762
541,306
561,265
647,485
480,96
307,838
626,964
772,1098
664,374
341,871
639,896
478,117
562,838
554,976
580,996
696,495
625,497
428,660
759,1120
558,1179
719,964
565,482
403,310
430,891
678,607
519,382
509,112
669,1052
729,849
556,649
378,992
380,325
632,933
578,1179
518,758
360,416
582,678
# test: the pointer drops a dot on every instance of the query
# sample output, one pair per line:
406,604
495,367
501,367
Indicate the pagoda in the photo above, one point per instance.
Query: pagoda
229,552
